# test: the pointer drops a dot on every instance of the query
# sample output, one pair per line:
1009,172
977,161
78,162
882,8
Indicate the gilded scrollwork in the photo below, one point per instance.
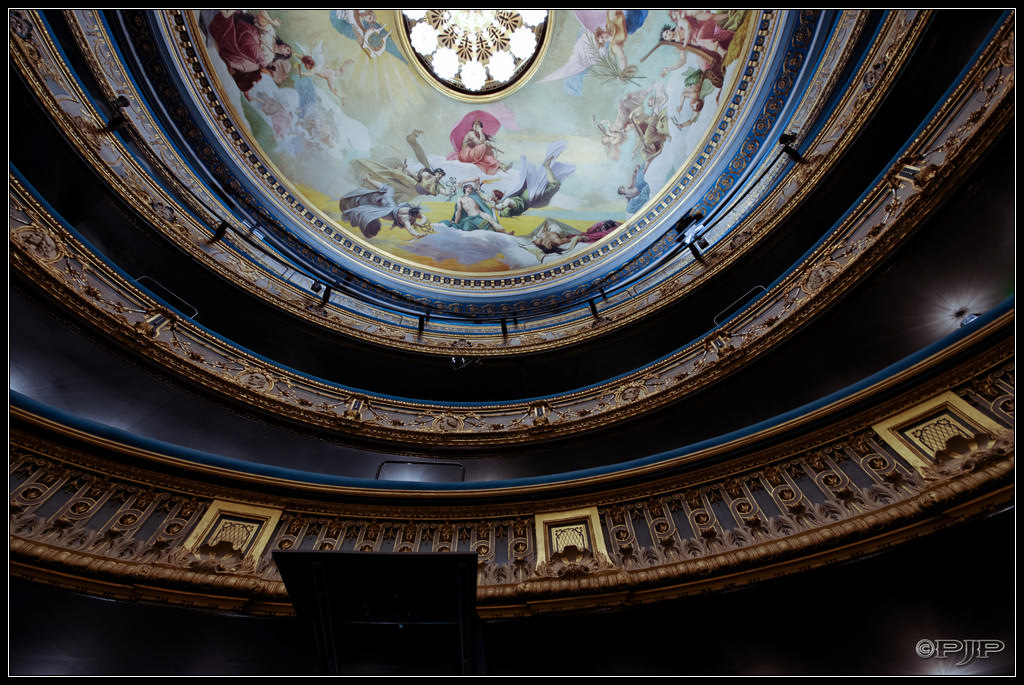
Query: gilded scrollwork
65,515
684,372
74,512
573,562
964,454
93,40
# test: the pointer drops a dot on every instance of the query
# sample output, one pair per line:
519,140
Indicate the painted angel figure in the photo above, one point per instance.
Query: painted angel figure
363,27
552,237
472,213
705,28
615,133
249,46
537,185
604,32
638,192
313,62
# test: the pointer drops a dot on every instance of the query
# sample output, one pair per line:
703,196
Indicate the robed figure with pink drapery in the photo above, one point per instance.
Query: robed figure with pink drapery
473,140
249,46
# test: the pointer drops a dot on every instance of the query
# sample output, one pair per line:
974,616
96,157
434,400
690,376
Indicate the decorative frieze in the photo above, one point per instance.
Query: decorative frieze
80,512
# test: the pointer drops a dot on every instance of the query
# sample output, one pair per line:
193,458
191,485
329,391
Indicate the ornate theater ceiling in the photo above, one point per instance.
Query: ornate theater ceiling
497,217
614,111
605,273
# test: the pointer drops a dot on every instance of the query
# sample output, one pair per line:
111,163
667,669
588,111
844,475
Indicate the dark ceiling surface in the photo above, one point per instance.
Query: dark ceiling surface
911,305
908,306
861,618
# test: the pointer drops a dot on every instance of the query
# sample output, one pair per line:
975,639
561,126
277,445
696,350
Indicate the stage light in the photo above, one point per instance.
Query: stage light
787,140
968,319
688,226
118,120
696,247
221,231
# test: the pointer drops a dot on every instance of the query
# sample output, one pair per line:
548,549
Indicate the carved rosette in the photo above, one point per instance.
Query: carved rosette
39,243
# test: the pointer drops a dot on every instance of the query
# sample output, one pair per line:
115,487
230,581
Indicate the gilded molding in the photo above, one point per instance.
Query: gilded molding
879,70
442,337
46,252
84,517
977,112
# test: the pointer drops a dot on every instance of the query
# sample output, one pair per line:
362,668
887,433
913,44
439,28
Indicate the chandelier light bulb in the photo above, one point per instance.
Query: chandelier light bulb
475,52
501,66
533,17
445,63
523,42
474,76
423,38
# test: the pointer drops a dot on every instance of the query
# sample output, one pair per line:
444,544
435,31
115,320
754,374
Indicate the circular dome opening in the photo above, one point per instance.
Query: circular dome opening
475,54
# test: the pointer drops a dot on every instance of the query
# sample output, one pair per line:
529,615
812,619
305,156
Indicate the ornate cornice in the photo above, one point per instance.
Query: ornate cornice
964,127
619,310
786,193
91,514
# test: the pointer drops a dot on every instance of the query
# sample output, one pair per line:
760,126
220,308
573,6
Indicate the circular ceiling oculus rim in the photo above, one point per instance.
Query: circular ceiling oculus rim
474,55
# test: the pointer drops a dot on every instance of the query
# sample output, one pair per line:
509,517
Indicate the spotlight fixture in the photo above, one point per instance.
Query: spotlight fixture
459,363
696,246
118,120
222,229
787,140
685,229
965,316
327,296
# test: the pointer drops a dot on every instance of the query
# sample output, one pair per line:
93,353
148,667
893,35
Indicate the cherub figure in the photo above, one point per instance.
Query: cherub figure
615,133
314,64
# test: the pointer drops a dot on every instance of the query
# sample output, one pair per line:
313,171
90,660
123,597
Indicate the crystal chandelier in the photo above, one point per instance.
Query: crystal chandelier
476,52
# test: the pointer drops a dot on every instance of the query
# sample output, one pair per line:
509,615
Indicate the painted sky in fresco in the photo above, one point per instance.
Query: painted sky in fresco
618,103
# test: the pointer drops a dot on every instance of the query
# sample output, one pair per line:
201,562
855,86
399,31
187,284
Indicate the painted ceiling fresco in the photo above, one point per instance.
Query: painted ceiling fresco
617,103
